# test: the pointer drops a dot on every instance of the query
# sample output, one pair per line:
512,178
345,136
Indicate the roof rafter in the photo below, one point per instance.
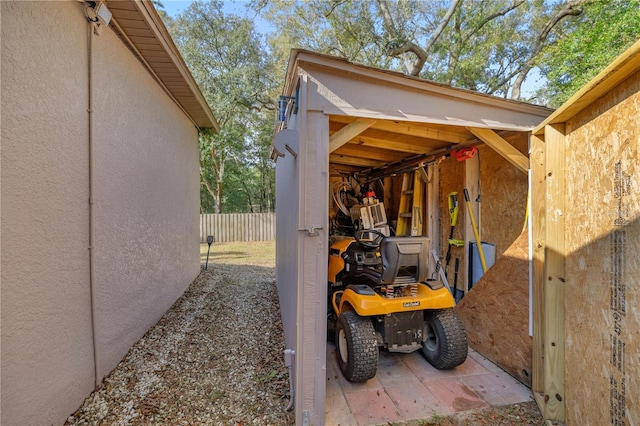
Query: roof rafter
349,132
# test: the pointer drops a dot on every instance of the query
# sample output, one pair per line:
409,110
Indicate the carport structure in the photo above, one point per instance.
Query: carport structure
339,119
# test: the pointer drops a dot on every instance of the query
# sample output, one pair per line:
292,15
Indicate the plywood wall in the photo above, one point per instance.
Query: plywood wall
503,190
602,297
495,312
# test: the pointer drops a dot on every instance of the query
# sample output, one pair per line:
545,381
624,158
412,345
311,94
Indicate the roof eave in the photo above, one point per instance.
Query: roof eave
299,56
194,106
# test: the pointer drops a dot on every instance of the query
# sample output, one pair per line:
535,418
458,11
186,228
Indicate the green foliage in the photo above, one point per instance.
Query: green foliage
605,30
484,45
487,45
227,59
344,28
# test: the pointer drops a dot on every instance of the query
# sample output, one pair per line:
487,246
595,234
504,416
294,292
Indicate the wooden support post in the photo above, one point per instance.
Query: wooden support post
417,207
388,198
433,211
536,216
554,273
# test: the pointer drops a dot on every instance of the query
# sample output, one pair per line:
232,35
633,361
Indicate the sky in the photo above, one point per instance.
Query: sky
235,7
174,7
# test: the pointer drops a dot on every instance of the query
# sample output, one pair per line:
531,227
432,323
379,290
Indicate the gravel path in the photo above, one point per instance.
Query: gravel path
216,357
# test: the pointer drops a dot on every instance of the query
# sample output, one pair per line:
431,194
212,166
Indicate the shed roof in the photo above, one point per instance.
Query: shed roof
625,65
381,121
141,29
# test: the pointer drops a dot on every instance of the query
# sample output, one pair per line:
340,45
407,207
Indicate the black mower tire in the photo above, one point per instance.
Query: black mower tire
356,347
445,344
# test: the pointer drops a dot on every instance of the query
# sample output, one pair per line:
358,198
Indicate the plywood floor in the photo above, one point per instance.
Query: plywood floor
407,387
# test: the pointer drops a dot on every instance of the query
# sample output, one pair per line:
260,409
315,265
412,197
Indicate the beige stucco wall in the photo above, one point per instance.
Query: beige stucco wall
146,218
46,347
147,200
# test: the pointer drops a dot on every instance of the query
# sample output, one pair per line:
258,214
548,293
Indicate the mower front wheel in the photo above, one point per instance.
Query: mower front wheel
445,344
357,347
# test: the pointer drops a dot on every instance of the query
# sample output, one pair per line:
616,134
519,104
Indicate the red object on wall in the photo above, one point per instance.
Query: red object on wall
464,153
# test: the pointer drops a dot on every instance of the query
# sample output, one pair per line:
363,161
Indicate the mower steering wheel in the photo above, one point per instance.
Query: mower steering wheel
373,244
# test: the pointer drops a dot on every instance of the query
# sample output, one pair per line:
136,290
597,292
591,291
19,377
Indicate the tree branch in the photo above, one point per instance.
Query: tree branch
406,47
438,31
514,5
571,8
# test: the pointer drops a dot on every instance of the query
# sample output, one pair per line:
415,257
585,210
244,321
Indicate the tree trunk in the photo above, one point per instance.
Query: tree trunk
572,8
207,183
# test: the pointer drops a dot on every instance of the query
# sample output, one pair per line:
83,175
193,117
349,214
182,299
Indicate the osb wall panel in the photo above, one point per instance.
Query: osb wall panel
503,190
452,174
602,298
495,312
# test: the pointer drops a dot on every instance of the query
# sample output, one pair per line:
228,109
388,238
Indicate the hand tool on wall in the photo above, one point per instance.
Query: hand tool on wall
452,200
457,293
475,231
440,271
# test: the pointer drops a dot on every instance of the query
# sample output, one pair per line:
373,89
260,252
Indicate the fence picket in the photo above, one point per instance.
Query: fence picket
238,227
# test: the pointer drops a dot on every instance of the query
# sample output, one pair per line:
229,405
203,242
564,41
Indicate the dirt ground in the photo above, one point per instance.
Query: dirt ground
508,415
216,357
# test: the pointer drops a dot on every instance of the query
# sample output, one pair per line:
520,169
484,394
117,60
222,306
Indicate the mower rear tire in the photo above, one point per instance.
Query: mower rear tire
356,346
445,344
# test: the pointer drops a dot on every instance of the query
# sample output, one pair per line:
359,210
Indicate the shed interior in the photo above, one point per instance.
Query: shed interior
376,154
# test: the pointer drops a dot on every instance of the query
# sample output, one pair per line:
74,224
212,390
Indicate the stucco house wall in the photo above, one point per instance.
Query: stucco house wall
47,349
58,338
147,200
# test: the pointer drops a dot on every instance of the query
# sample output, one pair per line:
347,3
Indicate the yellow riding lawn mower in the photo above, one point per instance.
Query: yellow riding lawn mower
379,296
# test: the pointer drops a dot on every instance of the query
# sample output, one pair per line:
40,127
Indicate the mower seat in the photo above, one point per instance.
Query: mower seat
405,260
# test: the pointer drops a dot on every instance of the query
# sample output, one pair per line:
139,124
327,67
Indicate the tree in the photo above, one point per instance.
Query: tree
227,60
485,45
604,31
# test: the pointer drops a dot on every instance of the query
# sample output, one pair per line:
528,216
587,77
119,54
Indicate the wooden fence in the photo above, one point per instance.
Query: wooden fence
238,227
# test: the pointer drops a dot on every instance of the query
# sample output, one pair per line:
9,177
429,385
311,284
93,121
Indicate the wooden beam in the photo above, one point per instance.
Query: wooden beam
349,132
416,129
536,216
417,209
502,147
554,273
355,161
393,145
433,212
363,151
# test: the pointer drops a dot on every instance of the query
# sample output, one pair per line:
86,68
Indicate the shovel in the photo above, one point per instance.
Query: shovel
209,241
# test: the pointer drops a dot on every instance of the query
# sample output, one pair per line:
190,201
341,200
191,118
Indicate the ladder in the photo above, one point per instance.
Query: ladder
411,207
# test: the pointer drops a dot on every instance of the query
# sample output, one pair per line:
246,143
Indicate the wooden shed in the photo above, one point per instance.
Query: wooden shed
585,161
342,121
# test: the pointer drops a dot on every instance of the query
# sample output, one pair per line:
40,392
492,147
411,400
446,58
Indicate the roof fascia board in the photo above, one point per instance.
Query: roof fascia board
300,57
153,20
395,116
622,67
